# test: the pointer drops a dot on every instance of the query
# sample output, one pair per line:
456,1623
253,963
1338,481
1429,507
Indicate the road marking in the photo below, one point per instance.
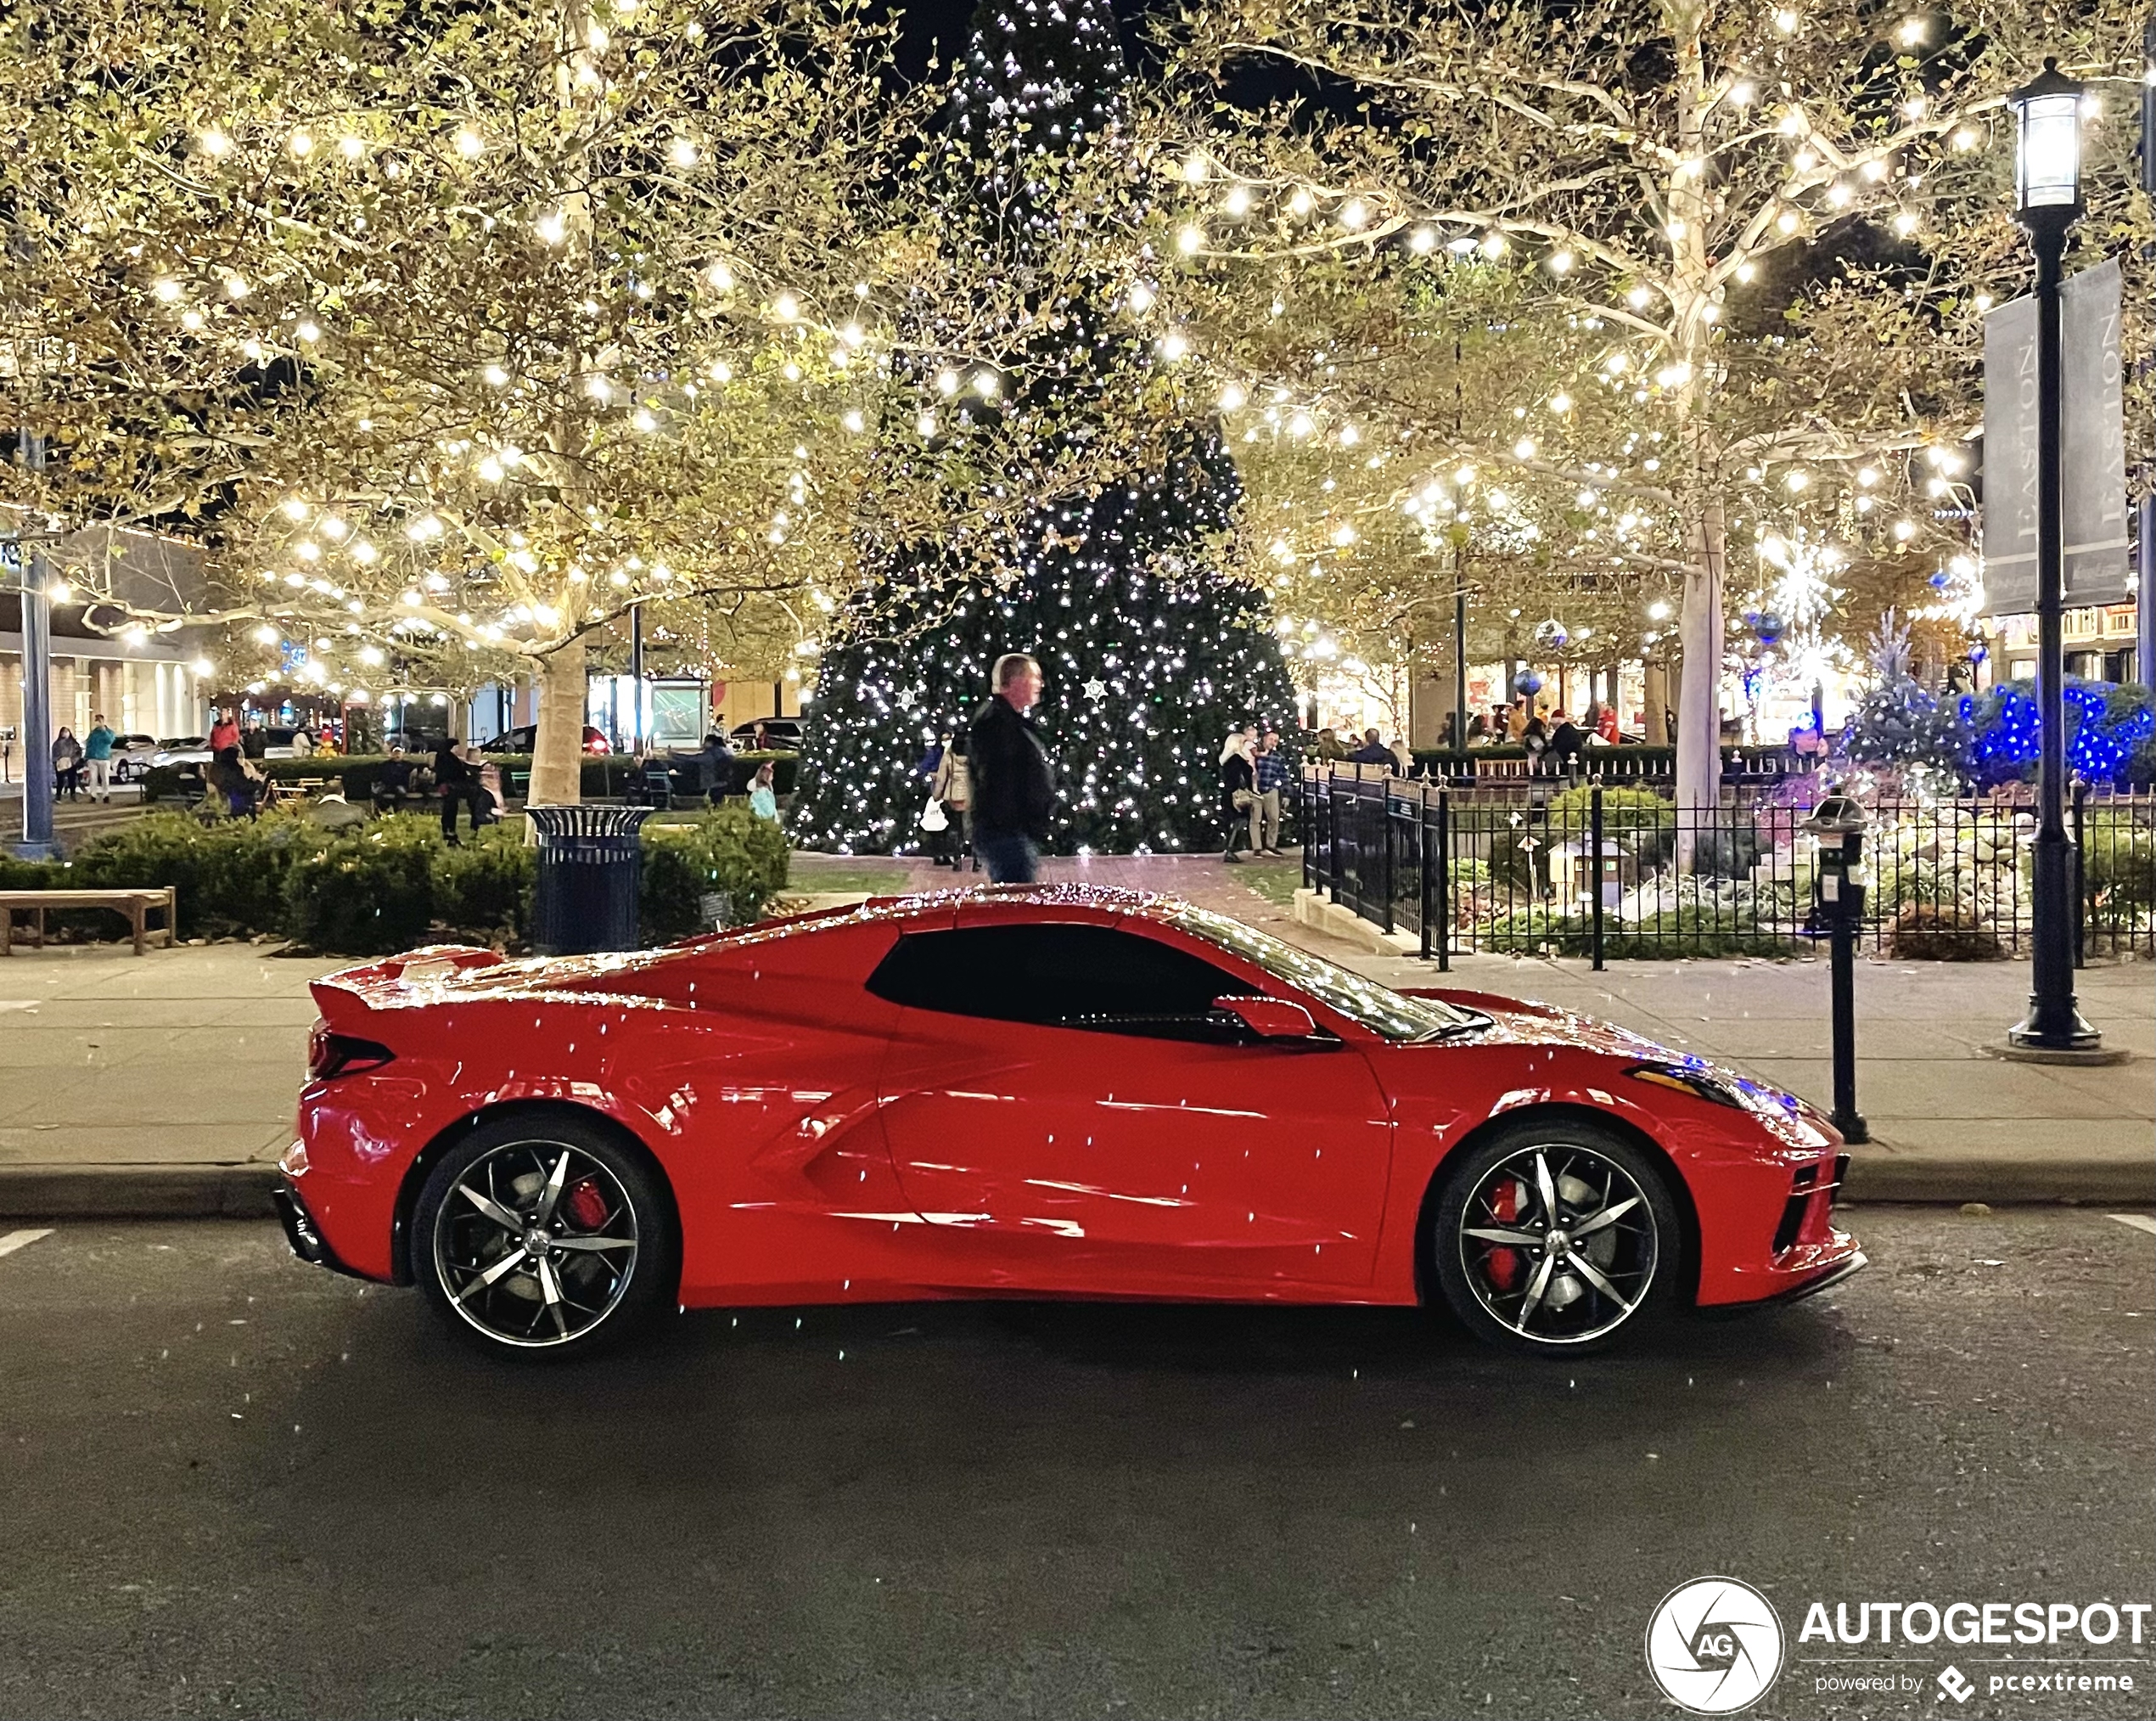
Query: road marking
19,1240
2140,1221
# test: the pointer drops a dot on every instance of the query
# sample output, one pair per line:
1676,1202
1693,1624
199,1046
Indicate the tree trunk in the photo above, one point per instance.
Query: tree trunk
1655,698
557,755
1699,690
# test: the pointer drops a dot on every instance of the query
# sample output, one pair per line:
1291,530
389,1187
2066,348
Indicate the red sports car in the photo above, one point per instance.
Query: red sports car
1033,1092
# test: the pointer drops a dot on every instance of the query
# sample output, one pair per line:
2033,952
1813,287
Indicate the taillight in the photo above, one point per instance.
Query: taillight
333,1055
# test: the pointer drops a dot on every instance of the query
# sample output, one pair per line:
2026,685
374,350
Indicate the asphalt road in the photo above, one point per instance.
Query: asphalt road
232,1485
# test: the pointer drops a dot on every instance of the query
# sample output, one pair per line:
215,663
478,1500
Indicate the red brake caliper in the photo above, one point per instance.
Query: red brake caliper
1502,1263
587,1206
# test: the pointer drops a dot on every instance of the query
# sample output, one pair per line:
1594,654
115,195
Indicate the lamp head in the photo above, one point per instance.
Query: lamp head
2047,148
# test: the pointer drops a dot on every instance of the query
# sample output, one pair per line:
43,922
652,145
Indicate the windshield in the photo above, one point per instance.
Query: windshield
1378,1007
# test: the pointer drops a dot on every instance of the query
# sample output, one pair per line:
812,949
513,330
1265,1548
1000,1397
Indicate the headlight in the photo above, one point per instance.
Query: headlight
1702,1084
1784,1113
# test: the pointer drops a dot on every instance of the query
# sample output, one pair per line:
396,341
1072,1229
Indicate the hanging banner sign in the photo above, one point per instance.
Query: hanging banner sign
2093,452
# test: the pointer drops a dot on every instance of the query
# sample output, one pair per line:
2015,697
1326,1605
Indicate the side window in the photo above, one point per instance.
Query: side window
1096,978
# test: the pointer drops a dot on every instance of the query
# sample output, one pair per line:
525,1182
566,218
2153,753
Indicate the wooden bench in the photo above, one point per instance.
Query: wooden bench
135,904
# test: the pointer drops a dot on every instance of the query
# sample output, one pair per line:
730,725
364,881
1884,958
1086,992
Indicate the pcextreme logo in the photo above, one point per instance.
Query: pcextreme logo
1714,1646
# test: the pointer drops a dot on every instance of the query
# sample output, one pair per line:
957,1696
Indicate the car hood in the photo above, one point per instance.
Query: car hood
1526,1022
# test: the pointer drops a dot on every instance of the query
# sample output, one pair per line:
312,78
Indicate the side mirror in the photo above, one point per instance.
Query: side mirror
1270,1018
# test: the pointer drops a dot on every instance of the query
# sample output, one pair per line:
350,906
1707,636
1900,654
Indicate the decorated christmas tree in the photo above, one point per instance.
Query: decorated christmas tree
1150,653
1900,725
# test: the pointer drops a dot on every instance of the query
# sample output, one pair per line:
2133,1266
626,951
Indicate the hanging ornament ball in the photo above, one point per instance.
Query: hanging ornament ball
1939,581
1527,684
1552,635
1767,626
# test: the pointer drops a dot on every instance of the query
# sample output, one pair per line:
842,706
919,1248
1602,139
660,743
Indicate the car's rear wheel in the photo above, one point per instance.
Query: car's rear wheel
543,1237
1556,1238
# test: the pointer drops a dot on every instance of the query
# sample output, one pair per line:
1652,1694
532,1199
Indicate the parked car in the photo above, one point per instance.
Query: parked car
1057,1092
524,739
273,742
131,755
783,734
183,751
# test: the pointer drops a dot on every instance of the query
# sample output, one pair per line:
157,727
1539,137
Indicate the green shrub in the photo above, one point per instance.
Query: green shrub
2119,867
388,885
1643,821
484,888
1684,930
364,892
230,875
727,852
30,875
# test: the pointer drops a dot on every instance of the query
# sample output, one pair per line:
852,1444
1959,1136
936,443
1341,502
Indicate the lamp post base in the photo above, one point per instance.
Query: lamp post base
2049,1028
33,851
2019,1052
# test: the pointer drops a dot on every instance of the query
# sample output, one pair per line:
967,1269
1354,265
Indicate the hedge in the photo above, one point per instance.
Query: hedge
603,777
392,883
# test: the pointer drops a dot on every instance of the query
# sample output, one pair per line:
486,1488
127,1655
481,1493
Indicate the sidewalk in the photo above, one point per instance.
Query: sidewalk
164,1084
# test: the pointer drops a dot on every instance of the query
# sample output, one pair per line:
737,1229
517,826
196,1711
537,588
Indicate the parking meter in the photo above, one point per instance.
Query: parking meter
1839,824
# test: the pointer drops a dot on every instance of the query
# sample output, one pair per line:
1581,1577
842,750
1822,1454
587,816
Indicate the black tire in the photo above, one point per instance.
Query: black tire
520,1274
1604,1280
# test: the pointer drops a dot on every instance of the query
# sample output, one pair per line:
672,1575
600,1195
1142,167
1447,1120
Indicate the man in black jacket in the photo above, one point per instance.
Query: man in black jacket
1012,793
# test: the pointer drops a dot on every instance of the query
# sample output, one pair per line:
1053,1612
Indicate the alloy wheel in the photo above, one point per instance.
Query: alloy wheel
536,1243
1558,1244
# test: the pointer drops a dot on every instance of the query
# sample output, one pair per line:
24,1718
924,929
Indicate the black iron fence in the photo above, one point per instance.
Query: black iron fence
1607,871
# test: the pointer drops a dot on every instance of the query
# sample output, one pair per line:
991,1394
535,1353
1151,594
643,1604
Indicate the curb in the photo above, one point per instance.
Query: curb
2127,1180
136,1192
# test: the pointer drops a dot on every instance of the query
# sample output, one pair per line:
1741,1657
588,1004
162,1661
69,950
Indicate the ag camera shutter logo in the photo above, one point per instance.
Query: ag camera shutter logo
1714,1646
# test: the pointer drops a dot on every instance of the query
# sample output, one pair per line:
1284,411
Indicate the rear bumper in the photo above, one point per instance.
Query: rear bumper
301,1232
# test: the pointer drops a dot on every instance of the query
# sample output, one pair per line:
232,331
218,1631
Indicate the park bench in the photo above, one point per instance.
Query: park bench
135,904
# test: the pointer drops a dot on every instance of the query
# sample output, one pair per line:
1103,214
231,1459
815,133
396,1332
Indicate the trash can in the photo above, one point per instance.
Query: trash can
591,863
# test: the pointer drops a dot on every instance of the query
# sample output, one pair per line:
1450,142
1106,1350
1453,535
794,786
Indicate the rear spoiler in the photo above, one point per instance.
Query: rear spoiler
374,985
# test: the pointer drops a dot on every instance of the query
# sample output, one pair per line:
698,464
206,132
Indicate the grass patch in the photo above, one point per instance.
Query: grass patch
1277,881
875,876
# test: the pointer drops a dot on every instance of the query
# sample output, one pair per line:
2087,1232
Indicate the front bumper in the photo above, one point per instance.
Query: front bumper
1826,1281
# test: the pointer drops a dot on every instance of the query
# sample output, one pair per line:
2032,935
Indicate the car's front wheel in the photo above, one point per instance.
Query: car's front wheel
543,1236
1556,1238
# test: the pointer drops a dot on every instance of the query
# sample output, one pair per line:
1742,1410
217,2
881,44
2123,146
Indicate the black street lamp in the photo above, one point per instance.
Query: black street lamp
2047,201
2145,593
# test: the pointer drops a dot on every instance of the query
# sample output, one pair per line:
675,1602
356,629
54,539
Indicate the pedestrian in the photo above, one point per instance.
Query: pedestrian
1329,745
1535,736
332,811
1567,739
67,763
1270,769
1013,795
224,732
714,763
392,779
951,789
229,778
1606,724
763,798
1403,756
1373,751
97,758
456,779
1238,795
